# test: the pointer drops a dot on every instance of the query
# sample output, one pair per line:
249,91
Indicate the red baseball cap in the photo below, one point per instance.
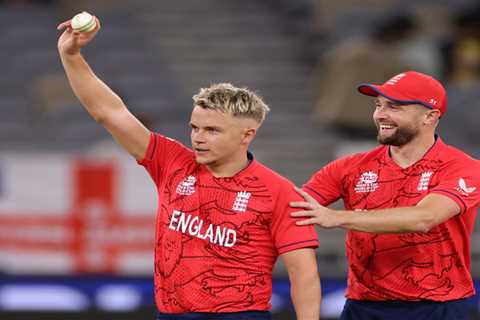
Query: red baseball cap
410,88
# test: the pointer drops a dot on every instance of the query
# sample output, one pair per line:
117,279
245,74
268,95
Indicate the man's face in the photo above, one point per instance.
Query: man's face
397,124
218,138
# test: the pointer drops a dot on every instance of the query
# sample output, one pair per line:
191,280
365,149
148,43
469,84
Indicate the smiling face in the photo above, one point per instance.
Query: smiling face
398,124
218,138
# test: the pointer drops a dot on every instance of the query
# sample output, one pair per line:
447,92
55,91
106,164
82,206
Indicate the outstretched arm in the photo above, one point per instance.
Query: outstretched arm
304,282
428,213
106,107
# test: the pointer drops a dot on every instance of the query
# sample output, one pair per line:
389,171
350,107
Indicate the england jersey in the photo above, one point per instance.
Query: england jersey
408,266
217,239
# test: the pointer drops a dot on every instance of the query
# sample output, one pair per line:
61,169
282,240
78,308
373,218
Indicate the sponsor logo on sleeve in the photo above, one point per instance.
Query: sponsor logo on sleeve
463,188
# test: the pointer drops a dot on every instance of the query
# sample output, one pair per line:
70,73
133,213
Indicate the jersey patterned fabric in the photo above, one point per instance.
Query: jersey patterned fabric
409,266
217,239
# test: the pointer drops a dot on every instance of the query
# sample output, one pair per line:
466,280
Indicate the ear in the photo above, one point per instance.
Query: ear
431,117
248,135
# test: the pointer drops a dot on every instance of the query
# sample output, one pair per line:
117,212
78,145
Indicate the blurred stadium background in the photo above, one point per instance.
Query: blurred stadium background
76,214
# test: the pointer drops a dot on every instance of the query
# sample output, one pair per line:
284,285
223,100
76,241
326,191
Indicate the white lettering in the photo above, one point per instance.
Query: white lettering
193,225
193,229
209,233
233,235
200,225
219,236
183,223
173,219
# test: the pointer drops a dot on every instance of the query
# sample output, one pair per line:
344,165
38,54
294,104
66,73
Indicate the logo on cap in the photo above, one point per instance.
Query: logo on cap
395,79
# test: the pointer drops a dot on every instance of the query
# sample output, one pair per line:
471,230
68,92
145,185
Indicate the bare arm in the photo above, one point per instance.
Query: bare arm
304,282
99,100
428,213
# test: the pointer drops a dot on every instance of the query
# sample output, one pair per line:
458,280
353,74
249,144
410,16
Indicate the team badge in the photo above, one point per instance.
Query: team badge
187,186
424,181
367,182
241,201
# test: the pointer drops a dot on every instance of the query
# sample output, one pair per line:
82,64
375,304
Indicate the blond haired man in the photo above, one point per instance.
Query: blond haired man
223,218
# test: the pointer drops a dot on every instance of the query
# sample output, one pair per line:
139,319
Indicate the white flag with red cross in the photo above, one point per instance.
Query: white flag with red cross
62,214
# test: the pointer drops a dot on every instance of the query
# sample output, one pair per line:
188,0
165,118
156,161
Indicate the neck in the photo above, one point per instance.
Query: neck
411,152
229,169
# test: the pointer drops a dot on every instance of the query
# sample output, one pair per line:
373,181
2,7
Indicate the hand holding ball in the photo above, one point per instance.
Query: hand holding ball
83,22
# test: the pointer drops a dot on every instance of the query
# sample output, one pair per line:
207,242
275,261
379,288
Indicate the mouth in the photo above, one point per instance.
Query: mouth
200,151
386,128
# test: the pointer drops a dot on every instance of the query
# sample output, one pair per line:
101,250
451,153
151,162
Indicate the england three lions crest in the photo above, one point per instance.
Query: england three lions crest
241,201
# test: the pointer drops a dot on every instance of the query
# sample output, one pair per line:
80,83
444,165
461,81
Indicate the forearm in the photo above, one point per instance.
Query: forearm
106,107
392,220
306,294
431,211
93,93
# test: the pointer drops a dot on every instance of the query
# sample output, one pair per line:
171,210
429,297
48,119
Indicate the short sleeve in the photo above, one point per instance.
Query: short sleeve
286,234
326,184
461,183
161,153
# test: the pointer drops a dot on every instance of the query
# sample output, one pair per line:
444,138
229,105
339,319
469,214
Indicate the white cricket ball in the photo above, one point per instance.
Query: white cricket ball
83,22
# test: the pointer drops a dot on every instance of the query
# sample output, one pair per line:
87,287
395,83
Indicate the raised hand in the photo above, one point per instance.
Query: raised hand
71,41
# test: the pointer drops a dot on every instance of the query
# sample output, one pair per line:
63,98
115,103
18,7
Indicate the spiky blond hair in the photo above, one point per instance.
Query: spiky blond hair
239,102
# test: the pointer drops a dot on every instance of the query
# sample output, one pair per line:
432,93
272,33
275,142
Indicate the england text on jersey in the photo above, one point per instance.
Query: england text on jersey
194,226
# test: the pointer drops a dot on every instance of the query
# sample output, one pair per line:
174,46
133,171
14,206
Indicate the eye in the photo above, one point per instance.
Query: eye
194,128
389,106
395,106
213,130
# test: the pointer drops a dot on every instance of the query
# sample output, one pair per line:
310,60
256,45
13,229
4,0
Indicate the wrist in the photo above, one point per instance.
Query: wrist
71,58
69,54
343,218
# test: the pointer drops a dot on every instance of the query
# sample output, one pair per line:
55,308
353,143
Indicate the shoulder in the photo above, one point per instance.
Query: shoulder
452,156
455,164
166,151
270,176
366,156
160,139
274,181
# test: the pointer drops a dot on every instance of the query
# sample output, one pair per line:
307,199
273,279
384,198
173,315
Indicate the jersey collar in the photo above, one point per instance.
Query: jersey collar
252,163
431,154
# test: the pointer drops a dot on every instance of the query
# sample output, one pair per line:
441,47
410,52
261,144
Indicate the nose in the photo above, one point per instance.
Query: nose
379,113
198,136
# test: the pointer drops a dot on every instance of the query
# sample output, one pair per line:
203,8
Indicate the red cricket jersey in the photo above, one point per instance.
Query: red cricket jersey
217,239
408,266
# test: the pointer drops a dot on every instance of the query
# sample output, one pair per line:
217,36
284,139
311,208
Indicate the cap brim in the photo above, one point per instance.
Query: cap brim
369,89
376,90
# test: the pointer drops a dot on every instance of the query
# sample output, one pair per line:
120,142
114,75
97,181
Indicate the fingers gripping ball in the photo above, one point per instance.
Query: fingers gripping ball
83,22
